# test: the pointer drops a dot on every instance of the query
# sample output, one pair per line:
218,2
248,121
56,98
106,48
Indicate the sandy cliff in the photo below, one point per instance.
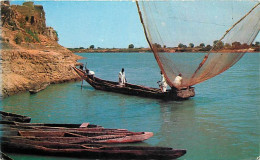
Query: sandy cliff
30,54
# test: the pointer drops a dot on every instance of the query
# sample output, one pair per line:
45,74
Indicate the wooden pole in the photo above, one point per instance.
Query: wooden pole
81,83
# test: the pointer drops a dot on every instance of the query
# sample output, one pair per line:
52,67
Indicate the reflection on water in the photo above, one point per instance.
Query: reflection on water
220,122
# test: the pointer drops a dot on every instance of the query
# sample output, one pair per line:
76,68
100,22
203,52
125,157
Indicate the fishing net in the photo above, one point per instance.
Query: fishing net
199,39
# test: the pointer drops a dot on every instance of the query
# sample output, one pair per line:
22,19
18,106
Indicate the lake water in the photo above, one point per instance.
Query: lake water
220,123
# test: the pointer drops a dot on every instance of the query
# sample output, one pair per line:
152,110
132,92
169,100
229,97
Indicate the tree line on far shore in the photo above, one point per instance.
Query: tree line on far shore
218,45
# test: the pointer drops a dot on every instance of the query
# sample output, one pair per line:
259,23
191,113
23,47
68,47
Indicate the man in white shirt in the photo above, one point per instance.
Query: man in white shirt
121,77
162,83
89,72
177,81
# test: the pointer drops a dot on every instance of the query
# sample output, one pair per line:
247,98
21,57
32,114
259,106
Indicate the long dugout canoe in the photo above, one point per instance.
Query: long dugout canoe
6,116
76,137
136,90
89,150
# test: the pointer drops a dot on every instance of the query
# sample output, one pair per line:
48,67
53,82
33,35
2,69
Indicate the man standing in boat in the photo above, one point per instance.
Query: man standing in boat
162,83
121,77
177,81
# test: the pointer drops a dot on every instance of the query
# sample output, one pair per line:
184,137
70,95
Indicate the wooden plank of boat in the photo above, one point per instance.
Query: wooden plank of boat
129,139
6,116
53,126
38,88
61,127
82,131
87,133
78,138
137,90
89,150
56,125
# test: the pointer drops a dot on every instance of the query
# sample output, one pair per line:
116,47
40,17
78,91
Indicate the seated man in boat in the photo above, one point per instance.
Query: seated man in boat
121,77
89,72
162,83
177,81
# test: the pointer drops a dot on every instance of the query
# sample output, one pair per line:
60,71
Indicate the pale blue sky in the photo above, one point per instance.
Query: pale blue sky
105,24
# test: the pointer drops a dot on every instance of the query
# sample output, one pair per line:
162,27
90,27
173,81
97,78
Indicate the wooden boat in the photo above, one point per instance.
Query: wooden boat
53,126
85,137
86,132
83,129
26,146
38,88
137,90
79,140
56,126
6,116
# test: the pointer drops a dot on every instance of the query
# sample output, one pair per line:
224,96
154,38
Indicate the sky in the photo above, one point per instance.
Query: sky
105,24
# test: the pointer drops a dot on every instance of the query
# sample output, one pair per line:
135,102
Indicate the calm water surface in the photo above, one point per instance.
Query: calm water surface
220,122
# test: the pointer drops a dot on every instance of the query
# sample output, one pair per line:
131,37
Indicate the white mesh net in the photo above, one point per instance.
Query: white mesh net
221,31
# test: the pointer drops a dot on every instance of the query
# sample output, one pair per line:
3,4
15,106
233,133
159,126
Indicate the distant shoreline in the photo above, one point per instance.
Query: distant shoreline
146,50
109,50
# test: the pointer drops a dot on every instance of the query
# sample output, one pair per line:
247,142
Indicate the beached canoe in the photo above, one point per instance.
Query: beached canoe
85,137
79,140
55,125
6,116
51,129
20,145
136,90
51,126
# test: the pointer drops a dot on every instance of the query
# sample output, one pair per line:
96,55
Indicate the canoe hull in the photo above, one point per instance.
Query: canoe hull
85,137
91,151
6,116
136,90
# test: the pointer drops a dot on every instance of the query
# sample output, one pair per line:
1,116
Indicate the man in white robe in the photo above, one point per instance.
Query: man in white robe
162,83
121,77
177,81
89,72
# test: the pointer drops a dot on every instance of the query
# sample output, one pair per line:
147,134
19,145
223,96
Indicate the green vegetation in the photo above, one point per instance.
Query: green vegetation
34,36
29,4
28,39
22,24
157,45
227,45
86,50
202,45
92,46
18,38
205,49
56,35
218,46
180,45
191,45
131,46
